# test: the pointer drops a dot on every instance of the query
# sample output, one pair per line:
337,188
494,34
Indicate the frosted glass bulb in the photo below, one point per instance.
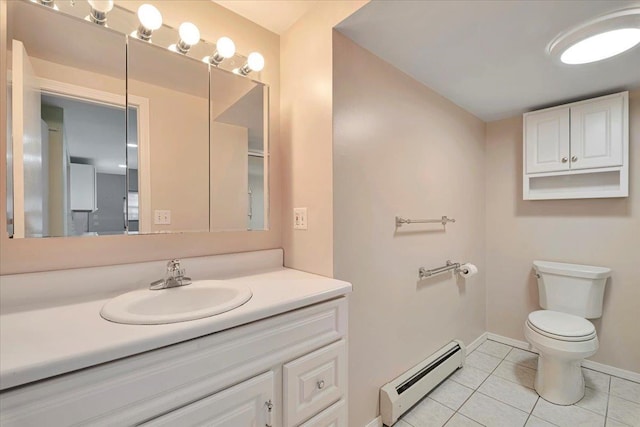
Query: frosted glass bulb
189,33
601,46
225,47
103,6
150,17
255,61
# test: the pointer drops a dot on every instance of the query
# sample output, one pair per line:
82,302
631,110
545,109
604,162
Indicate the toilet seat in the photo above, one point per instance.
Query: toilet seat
561,326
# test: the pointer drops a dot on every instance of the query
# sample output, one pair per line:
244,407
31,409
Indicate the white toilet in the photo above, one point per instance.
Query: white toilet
570,294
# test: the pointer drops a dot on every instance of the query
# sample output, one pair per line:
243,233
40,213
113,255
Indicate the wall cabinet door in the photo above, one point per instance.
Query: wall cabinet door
596,133
547,141
249,403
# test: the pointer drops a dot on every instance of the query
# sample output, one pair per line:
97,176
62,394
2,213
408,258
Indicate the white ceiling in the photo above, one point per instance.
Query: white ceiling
275,15
489,57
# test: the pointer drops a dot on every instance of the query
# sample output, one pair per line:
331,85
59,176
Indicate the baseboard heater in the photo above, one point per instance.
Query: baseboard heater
399,395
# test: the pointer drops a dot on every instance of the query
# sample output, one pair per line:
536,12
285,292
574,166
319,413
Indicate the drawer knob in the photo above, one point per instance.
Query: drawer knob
320,384
574,159
565,160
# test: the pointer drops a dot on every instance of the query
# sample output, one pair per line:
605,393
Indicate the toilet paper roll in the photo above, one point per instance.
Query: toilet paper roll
468,270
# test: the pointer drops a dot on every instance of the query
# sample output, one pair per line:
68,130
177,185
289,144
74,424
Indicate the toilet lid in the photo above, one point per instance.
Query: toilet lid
561,324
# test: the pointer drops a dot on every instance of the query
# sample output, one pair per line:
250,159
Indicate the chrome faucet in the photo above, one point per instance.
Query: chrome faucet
174,277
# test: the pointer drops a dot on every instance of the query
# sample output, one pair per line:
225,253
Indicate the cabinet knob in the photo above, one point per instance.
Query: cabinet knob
574,159
320,384
565,160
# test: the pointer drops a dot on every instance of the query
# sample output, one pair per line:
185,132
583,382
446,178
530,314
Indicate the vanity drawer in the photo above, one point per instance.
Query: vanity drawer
334,416
313,382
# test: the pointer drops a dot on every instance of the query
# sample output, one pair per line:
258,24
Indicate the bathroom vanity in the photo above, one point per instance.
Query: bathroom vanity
278,360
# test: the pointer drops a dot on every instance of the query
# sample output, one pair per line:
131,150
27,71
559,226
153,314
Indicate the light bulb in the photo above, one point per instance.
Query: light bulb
150,17
189,33
255,61
225,47
103,6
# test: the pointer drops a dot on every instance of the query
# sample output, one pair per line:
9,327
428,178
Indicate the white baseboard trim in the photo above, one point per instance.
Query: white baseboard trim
476,343
375,423
611,370
589,364
523,345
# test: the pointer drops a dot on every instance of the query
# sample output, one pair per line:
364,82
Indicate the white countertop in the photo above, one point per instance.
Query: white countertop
39,344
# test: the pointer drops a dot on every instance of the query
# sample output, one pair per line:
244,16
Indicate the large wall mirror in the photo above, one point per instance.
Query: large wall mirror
110,134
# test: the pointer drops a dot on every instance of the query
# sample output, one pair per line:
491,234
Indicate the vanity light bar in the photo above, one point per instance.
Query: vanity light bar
150,20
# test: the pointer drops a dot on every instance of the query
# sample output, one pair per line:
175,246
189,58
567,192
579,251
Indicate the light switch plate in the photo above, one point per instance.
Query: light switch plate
161,217
299,218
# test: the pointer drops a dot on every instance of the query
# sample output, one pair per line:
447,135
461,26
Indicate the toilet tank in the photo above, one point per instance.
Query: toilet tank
571,288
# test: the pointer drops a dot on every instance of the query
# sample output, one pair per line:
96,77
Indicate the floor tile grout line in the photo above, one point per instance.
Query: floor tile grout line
451,416
469,418
532,408
509,404
476,390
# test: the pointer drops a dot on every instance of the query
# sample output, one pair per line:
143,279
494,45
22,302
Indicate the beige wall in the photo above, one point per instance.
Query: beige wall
401,149
306,124
22,255
591,231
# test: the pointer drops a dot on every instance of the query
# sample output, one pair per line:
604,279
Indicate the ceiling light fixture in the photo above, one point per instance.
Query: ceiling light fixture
601,38
255,62
99,10
189,36
150,20
225,48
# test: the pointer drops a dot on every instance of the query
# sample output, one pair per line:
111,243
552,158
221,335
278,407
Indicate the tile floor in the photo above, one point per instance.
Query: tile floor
495,389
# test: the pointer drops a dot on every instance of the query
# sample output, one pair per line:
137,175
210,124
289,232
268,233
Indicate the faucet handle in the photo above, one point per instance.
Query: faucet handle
173,265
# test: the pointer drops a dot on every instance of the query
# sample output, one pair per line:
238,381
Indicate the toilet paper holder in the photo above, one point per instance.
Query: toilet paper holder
455,266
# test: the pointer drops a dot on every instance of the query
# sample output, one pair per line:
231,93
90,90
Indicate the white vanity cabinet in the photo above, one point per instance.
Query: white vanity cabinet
286,370
577,150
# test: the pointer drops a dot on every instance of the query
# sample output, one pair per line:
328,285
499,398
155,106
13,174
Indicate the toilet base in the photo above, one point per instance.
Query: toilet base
559,381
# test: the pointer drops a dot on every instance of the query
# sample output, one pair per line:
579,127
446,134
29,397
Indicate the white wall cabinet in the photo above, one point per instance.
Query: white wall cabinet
578,150
83,187
244,376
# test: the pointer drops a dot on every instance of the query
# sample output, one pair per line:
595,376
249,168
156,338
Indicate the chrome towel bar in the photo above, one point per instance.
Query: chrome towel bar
455,266
444,220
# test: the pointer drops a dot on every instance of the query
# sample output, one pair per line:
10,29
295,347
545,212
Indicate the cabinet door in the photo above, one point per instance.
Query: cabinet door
313,382
547,141
249,404
597,130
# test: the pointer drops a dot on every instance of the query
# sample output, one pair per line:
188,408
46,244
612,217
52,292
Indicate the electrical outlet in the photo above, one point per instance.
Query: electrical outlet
299,218
161,217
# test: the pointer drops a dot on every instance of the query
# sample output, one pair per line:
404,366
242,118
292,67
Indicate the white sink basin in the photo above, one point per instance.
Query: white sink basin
202,298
